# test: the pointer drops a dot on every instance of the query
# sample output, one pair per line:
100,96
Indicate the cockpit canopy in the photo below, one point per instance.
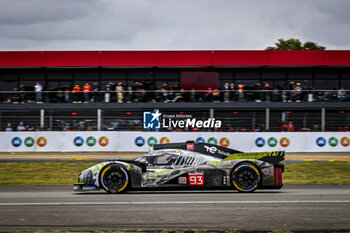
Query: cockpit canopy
174,158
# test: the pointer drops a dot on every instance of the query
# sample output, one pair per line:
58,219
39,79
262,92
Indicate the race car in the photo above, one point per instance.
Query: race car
186,165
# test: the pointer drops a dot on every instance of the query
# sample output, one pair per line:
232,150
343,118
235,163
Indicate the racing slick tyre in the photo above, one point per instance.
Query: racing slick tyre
245,177
114,178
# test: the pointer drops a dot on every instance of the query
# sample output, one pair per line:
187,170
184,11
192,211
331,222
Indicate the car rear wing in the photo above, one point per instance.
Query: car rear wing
272,157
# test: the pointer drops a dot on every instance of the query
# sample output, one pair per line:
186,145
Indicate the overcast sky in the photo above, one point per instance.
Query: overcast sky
171,24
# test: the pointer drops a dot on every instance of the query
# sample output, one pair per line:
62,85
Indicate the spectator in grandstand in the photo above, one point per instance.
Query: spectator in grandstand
119,90
180,96
76,94
344,129
310,94
334,94
292,94
38,93
267,93
82,126
240,91
216,95
15,96
8,127
276,95
259,95
176,89
193,95
29,128
165,96
233,94
21,126
284,96
298,92
107,94
284,127
95,92
170,91
59,96
341,95
86,90
66,96
22,95
129,95
142,95
89,127
209,95
159,95
226,90
290,127
323,96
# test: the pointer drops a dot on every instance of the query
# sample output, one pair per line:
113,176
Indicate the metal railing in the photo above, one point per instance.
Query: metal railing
232,121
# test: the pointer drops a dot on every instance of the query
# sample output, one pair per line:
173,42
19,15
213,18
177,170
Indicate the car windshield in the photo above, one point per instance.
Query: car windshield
160,157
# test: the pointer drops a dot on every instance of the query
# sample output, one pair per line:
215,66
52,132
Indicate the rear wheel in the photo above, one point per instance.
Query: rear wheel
114,178
245,177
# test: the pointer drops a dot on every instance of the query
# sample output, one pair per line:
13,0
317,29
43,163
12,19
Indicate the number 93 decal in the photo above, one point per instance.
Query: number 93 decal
196,180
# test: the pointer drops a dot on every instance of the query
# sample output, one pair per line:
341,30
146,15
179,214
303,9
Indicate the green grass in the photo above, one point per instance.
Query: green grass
63,173
316,173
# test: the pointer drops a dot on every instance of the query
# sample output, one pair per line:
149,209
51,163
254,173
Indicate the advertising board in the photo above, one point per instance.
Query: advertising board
142,141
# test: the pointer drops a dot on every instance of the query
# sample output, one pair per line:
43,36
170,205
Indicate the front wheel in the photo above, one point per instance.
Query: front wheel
114,178
245,177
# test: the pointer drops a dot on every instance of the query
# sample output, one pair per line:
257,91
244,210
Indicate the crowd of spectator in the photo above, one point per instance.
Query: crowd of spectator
8,127
167,93
120,93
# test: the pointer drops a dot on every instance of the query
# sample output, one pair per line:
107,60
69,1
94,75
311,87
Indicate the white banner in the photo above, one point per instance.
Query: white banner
140,141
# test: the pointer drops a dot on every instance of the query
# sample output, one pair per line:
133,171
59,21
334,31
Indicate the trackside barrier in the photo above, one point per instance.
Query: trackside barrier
140,141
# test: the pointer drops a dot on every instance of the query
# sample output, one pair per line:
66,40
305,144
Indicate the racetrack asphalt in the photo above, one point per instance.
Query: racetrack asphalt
294,207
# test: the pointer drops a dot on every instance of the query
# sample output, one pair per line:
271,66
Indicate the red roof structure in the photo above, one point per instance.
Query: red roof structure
215,58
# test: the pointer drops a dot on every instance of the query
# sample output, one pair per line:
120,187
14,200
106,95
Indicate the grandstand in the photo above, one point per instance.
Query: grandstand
250,91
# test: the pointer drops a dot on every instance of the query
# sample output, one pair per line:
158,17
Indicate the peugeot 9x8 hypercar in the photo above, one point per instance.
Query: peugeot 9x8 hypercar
186,166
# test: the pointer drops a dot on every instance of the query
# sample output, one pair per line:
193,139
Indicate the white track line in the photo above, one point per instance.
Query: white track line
169,203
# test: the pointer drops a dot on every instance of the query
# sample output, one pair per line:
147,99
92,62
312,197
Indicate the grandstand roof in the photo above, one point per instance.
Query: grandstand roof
207,58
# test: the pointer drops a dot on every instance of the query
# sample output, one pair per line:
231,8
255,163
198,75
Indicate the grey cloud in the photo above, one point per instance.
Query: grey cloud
168,24
22,12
